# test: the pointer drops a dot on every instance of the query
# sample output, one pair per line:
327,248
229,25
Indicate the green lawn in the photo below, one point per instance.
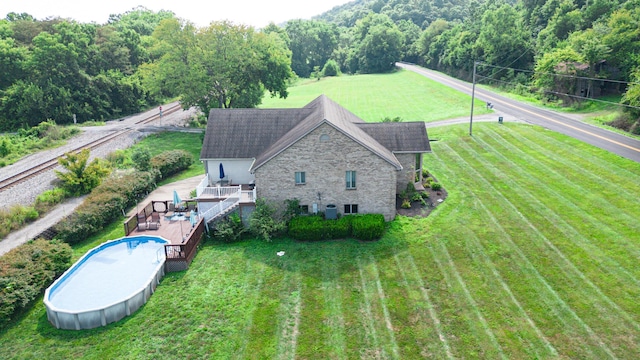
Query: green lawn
374,97
173,140
534,254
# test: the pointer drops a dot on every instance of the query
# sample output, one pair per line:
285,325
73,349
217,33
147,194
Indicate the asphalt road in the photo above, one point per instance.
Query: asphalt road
618,144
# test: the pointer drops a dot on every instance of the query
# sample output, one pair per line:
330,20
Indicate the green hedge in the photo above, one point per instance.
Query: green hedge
314,228
171,162
368,226
105,204
27,270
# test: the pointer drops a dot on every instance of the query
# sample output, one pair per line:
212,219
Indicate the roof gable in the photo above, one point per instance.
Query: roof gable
325,110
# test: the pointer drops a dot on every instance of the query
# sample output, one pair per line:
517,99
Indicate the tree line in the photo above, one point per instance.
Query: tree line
57,68
66,71
561,50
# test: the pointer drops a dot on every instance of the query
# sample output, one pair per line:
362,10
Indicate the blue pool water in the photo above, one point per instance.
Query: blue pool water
110,274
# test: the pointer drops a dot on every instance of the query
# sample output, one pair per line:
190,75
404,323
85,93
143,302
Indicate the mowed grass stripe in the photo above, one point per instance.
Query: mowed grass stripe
381,328
433,344
512,332
538,344
486,338
382,300
572,245
289,316
374,348
580,158
334,313
568,284
605,308
609,200
498,203
604,204
462,333
601,248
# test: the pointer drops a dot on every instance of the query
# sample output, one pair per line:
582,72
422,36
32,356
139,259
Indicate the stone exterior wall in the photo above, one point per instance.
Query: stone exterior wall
407,174
325,163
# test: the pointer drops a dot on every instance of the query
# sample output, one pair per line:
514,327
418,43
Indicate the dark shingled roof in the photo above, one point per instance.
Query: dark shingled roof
402,137
246,133
263,133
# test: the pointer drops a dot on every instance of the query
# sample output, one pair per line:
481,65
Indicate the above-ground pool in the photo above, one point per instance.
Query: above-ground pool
109,282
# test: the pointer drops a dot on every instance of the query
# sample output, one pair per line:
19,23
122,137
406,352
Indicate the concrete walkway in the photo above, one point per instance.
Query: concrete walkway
183,187
21,236
36,228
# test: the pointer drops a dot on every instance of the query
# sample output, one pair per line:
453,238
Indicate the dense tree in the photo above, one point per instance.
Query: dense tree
81,175
554,71
504,40
220,66
311,43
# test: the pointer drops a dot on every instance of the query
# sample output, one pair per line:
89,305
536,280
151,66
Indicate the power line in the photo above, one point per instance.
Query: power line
559,93
561,75
511,63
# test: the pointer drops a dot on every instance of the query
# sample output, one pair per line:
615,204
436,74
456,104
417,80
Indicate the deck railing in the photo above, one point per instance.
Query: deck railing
249,194
219,192
203,185
187,250
220,207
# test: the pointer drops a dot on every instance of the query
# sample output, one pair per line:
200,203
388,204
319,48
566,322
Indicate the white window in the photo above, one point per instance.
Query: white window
351,208
351,179
300,177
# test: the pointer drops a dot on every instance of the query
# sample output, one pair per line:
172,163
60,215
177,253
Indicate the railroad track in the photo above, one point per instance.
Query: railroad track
52,163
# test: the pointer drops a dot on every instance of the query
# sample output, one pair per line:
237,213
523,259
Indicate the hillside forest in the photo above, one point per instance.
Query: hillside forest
562,51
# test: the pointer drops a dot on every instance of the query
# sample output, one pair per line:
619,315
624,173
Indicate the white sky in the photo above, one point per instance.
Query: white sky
257,13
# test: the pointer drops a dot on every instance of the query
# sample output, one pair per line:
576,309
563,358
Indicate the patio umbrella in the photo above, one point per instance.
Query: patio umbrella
193,219
176,198
221,171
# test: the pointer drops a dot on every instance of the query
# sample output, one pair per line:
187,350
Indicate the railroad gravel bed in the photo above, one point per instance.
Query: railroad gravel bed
26,192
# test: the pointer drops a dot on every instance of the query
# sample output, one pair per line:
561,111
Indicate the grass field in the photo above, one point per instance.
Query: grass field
171,140
533,255
373,97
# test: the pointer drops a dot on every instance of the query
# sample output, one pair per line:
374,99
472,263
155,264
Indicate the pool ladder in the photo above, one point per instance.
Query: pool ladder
158,254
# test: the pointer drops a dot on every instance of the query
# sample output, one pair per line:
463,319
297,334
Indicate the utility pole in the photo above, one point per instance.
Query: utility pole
473,95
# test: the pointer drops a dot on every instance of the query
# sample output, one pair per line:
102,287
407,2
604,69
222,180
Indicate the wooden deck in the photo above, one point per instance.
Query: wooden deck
173,230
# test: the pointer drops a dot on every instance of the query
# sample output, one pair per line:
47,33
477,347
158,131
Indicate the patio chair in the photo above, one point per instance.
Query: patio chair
171,211
142,222
154,224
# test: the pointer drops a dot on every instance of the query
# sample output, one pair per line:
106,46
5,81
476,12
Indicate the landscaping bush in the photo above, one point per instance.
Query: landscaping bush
27,270
171,162
338,229
105,204
307,228
368,226
230,229
436,186
314,228
141,159
264,222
